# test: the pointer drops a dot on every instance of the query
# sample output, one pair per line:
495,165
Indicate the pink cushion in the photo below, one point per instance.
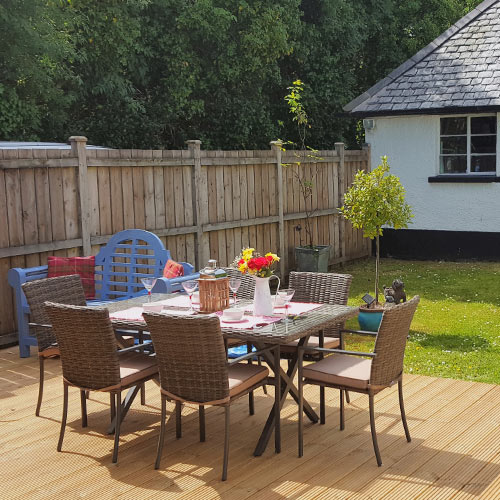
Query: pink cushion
83,266
340,369
173,269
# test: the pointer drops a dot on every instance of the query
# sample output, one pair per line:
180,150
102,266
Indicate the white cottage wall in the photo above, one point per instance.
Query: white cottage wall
411,144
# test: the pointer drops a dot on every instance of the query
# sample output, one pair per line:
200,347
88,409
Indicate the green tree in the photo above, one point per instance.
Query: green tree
376,199
33,49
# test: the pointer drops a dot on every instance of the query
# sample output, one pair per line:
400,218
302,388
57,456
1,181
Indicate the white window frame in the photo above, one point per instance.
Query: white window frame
468,154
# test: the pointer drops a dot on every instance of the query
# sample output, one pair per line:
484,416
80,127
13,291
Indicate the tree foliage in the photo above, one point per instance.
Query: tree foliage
153,73
374,200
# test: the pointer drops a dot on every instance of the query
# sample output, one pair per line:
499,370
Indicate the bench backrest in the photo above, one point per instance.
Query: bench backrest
128,256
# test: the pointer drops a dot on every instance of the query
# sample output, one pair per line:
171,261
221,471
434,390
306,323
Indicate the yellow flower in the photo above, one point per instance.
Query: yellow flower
274,256
247,253
243,268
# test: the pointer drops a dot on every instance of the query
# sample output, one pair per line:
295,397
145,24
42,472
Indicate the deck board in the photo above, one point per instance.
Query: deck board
454,453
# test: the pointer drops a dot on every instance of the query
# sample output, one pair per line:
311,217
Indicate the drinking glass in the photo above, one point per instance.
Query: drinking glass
234,285
189,287
149,283
286,295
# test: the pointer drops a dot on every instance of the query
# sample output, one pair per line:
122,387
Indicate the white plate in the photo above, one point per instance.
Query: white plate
227,320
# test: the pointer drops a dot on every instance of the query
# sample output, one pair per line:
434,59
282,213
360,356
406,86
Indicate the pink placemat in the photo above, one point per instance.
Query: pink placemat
295,308
248,322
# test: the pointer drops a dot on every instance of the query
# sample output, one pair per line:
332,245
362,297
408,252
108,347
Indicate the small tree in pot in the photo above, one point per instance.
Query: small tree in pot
310,257
376,199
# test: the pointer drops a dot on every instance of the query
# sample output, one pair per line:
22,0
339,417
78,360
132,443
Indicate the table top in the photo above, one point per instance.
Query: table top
282,332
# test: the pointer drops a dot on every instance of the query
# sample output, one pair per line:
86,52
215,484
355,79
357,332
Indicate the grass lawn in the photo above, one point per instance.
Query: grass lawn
456,329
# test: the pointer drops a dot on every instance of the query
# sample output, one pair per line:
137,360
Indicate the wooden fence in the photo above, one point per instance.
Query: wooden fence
202,204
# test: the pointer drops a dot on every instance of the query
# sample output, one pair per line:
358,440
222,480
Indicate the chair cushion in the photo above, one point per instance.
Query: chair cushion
83,266
340,369
242,376
172,269
135,366
329,343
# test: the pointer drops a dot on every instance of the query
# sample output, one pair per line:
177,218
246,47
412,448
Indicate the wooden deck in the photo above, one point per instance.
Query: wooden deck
454,454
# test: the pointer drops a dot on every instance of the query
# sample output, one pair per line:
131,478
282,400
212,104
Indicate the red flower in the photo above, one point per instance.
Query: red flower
241,261
262,262
269,258
252,264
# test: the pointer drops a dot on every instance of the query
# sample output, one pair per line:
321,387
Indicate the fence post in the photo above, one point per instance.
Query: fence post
78,148
200,203
340,148
283,251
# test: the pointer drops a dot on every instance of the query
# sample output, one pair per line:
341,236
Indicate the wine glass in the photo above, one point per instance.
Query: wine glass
189,287
149,283
234,285
286,295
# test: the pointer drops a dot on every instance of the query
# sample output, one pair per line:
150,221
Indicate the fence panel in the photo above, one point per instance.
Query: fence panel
237,195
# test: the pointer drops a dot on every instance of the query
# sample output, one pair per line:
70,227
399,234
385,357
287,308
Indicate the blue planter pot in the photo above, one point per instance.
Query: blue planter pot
369,320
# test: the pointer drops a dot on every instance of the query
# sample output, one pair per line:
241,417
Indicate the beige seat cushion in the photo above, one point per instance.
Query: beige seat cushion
329,343
135,366
340,369
242,376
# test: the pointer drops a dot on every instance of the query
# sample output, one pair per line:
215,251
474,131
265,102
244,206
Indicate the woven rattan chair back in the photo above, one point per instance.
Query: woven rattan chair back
247,288
321,288
87,343
63,290
390,345
191,356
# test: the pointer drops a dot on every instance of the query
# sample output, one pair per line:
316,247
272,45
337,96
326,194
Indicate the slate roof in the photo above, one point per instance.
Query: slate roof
458,72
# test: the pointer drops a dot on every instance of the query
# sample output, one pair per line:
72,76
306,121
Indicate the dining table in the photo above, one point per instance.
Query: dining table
305,320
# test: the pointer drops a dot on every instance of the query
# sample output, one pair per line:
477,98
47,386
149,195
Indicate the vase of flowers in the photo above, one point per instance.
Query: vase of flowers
262,269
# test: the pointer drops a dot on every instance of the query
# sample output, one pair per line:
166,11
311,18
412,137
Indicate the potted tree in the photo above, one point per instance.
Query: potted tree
308,257
375,200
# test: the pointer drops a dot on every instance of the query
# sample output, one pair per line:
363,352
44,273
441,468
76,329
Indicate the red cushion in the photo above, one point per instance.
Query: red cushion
83,266
173,269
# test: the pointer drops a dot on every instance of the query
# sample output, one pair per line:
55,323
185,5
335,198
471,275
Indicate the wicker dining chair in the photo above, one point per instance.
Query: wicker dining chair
382,369
193,369
90,360
64,290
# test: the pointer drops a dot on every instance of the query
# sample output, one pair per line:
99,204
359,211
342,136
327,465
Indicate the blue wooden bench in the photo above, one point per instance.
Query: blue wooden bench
127,257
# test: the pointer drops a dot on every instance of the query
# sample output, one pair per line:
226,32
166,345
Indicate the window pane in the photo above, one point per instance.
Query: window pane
483,144
483,163
454,145
453,164
483,125
453,126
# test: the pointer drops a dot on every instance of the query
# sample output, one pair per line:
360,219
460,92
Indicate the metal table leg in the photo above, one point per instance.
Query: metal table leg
287,387
125,406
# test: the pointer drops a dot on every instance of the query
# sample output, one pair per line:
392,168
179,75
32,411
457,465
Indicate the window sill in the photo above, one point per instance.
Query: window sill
464,178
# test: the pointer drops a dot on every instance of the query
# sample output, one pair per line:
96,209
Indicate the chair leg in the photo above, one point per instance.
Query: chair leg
226,443
87,394
112,406
201,415
143,394
322,410
402,408
347,397
374,432
41,361
117,426
342,414
64,417
301,410
342,346
161,439
83,402
178,423
251,404
277,401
